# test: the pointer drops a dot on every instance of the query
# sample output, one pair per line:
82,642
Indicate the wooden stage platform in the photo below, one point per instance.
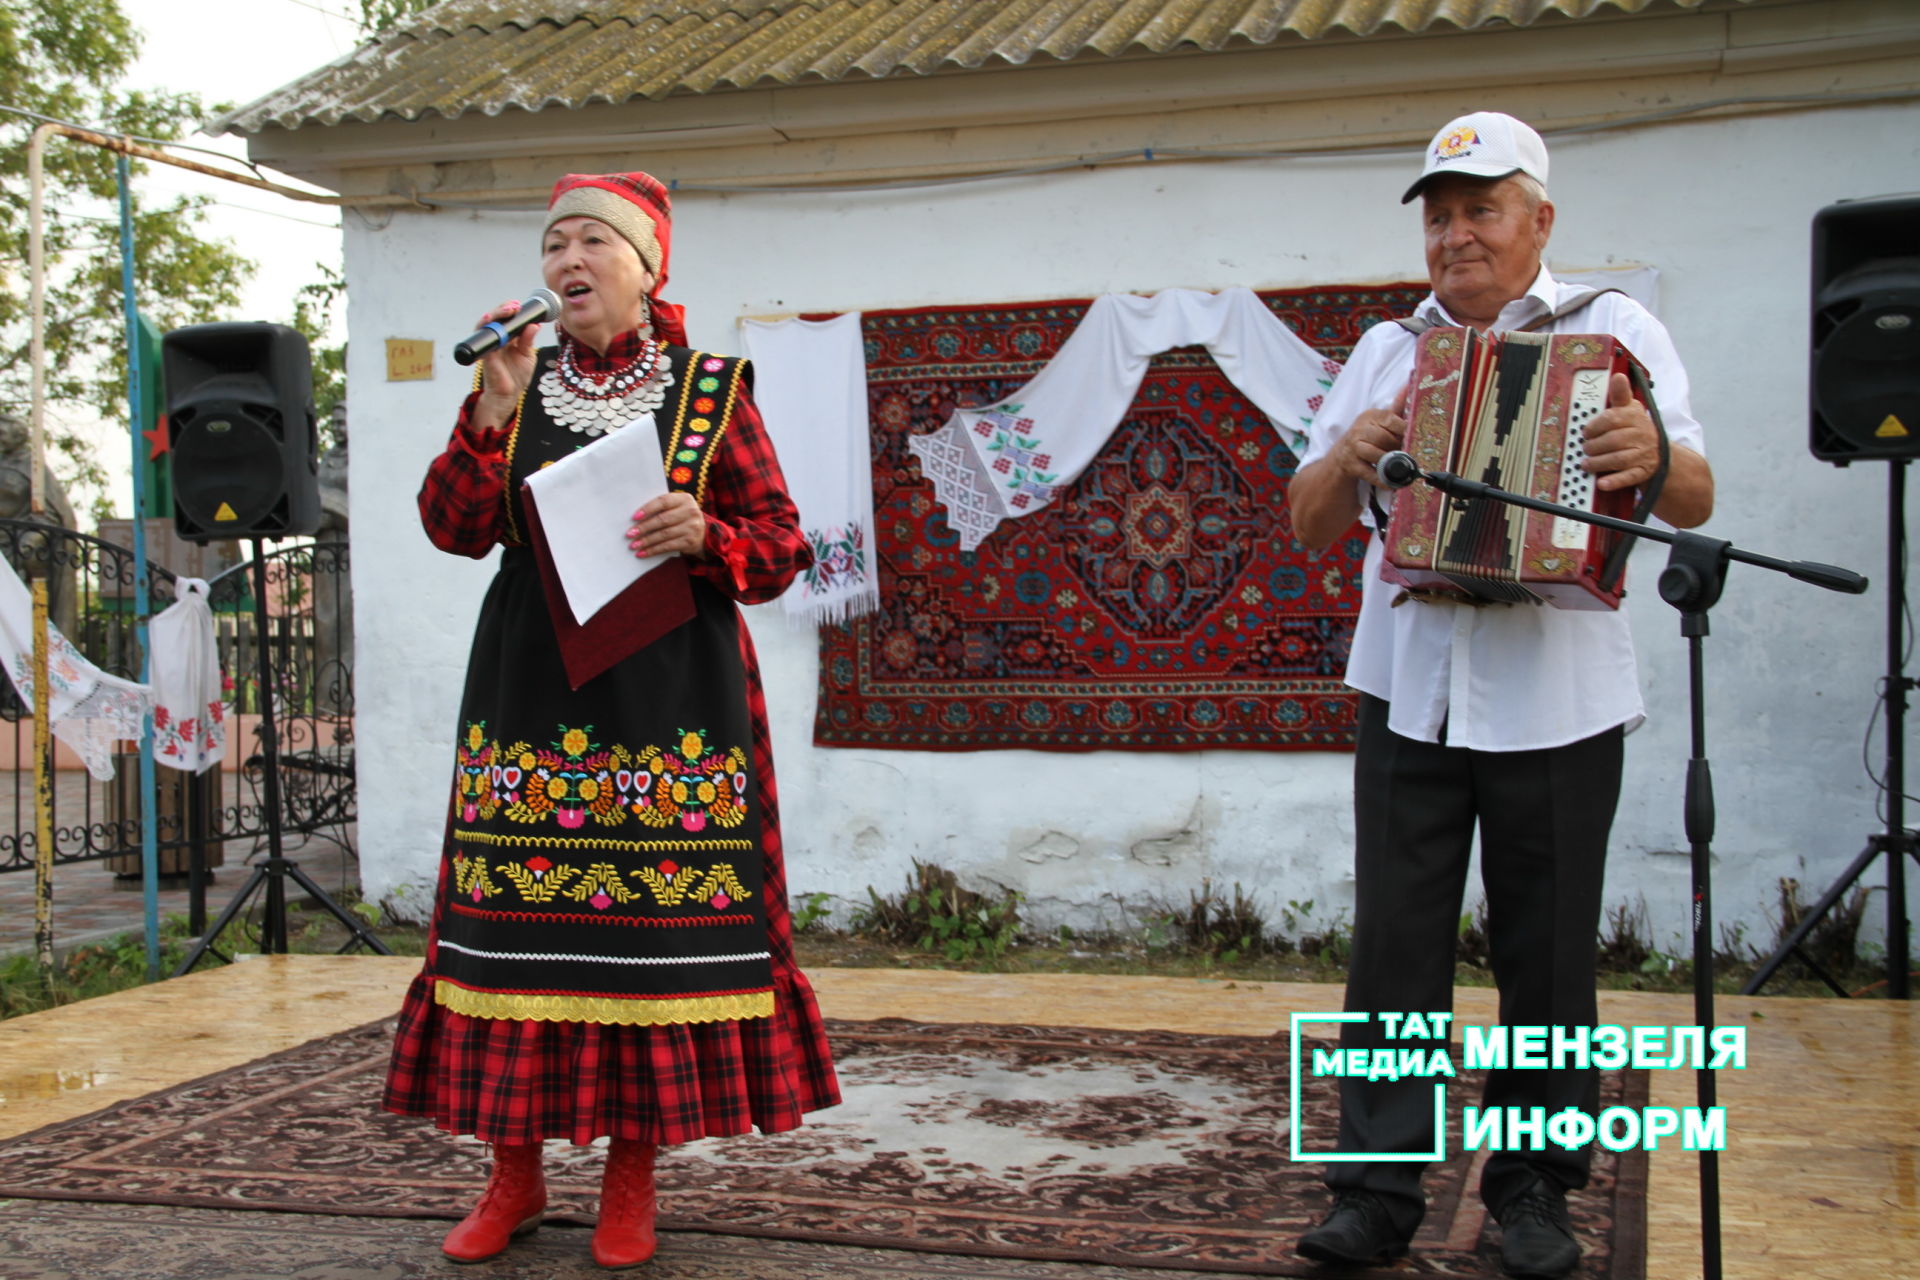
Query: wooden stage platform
1821,1176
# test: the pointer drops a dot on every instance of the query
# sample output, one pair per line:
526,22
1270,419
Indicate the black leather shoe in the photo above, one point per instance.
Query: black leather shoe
1358,1230
1536,1240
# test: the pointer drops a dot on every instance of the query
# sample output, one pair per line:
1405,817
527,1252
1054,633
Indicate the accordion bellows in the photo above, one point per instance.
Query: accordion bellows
1509,410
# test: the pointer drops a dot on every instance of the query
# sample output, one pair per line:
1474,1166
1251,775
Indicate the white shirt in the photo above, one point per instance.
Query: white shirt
1505,678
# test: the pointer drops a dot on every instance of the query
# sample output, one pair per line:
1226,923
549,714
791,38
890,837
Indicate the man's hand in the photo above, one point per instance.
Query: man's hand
1322,497
1372,436
1623,447
672,524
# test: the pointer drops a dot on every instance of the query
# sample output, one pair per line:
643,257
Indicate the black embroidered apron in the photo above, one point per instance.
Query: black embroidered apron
606,861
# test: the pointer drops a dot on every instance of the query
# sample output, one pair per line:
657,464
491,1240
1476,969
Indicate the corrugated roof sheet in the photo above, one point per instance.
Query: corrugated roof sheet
488,55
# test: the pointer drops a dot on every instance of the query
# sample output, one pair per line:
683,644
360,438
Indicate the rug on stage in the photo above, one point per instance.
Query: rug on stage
1050,1144
1160,603
83,1240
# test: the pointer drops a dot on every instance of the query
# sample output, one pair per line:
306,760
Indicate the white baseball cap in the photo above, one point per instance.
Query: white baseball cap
1484,144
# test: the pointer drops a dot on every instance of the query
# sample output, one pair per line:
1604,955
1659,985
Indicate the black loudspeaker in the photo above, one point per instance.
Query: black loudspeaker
240,420
1864,388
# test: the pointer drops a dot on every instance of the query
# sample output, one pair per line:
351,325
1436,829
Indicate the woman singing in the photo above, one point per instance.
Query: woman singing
611,952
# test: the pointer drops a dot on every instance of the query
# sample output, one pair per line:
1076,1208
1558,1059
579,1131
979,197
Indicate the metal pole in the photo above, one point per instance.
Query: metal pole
1899,844
142,602
128,147
1700,827
36,461
273,931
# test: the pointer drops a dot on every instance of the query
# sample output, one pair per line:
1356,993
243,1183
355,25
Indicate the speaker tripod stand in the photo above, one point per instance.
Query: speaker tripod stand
273,874
1896,842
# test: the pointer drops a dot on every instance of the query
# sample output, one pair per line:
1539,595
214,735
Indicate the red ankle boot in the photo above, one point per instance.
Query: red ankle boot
624,1237
515,1197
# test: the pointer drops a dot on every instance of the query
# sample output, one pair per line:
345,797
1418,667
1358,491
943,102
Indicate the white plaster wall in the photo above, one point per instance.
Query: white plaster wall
1721,207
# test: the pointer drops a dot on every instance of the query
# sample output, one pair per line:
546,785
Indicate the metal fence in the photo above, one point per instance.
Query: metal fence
308,645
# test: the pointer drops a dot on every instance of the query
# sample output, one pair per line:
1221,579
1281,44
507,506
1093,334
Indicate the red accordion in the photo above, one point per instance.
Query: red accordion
1508,411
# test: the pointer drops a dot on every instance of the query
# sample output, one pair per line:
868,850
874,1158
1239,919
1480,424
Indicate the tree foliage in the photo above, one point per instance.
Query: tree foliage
66,59
314,307
378,15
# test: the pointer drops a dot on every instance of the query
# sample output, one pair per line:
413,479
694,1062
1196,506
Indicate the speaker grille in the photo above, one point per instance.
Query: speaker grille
240,416
1863,383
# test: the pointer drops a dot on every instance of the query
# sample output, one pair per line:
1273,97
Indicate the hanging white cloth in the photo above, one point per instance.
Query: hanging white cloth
810,382
1011,458
189,717
89,709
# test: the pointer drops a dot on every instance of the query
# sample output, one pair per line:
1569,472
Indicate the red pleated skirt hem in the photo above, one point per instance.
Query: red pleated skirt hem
507,1081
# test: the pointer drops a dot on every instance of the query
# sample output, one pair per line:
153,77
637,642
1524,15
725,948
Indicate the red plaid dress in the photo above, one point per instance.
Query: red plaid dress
516,1081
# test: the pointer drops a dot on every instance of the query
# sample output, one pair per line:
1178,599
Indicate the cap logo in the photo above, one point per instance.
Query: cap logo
1456,143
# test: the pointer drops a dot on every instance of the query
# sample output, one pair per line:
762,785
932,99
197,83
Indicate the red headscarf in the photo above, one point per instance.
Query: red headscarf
636,206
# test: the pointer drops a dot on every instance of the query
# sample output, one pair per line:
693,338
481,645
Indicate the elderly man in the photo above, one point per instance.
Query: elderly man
1508,716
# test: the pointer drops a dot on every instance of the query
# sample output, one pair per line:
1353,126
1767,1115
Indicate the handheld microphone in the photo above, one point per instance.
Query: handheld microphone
540,305
1396,470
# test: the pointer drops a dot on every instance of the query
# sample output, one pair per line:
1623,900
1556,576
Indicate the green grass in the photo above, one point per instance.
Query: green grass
822,948
93,969
120,962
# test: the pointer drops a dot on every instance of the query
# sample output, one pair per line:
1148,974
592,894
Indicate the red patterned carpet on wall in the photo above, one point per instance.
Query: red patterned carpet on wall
1149,1149
1160,604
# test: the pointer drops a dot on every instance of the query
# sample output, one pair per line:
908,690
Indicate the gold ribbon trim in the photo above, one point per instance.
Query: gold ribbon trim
592,842
607,1010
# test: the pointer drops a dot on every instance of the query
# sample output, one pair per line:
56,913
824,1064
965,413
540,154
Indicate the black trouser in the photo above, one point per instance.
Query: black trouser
1543,819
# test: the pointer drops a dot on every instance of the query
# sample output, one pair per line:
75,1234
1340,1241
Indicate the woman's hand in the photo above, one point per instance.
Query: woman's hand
509,371
672,524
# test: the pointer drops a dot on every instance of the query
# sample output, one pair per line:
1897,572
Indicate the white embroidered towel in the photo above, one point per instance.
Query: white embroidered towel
1011,458
91,711
189,718
810,383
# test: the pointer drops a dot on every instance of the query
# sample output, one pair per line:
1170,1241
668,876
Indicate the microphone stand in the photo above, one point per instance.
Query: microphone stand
1691,582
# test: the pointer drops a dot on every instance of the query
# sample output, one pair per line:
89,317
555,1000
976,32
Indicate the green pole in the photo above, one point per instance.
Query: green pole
137,377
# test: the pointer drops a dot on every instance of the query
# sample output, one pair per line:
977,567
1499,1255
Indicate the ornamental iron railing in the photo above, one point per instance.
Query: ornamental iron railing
220,813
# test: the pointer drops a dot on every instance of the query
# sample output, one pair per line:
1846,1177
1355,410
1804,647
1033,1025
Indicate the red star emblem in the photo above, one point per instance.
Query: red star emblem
159,439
